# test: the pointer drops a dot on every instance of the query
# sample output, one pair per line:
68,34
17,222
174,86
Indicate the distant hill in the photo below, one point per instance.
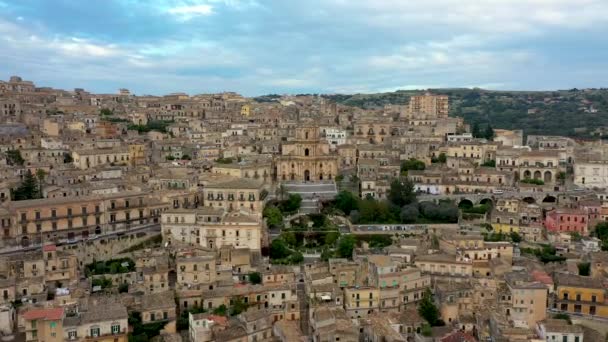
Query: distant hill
576,113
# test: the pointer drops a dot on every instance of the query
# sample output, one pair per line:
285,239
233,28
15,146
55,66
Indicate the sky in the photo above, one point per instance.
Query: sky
258,47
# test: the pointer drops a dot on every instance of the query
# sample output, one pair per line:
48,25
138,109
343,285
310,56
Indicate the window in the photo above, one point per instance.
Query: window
115,328
94,331
72,335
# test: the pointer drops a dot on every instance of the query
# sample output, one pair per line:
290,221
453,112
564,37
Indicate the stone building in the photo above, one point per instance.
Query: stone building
307,158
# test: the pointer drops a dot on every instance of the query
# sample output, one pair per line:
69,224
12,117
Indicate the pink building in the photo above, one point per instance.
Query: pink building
593,209
567,220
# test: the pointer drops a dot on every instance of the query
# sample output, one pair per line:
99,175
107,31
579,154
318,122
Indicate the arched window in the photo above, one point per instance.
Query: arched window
306,135
306,152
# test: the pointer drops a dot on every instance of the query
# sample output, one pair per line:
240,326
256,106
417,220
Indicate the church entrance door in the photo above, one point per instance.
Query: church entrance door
307,175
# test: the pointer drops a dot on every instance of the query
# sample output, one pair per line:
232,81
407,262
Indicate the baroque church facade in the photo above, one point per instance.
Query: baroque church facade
307,158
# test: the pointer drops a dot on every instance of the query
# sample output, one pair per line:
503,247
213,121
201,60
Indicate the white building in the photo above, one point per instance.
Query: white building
591,174
559,330
460,137
334,136
212,228
7,319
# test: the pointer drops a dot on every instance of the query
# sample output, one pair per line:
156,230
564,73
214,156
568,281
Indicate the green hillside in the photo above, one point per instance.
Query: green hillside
577,113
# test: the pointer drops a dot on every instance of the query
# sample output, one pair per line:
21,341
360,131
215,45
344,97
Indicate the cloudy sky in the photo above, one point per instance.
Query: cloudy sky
289,46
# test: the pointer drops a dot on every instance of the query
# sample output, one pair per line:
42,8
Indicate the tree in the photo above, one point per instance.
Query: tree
347,201
442,158
221,310
475,131
28,189
289,238
278,249
515,237
354,216
401,192
13,157
186,157
489,163
412,164
40,174
292,204
561,177
326,253
296,258
409,213
601,232
489,132
584,269
346,245
67,158
427,309
238,306
331,238
255,278
273,216
563,316
106,112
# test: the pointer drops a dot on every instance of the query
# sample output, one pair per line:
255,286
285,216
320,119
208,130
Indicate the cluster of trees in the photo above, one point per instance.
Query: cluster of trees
532,181
401,207
143,332
103,282
546,253
486,133
274,213
584,268
500,236
222,160
184,157
112,266
281,253
601,232
153,125
255,278
13,157
442,159
412,164
489,163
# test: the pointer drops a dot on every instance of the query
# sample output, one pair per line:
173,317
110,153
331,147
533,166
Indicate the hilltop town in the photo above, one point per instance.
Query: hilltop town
217,217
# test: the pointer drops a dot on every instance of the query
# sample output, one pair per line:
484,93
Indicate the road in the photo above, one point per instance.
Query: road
154,227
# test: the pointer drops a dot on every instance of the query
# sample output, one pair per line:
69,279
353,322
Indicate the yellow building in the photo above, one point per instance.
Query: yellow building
361,301
580,295
433,106
194,268
446,266
44,325
137,153
86,159
528,299
237,195
246,110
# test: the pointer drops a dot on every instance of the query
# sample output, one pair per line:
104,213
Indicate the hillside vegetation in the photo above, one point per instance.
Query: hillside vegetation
576,113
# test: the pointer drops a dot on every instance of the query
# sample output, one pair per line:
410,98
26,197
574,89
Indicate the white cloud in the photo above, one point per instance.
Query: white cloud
189,12
500,16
